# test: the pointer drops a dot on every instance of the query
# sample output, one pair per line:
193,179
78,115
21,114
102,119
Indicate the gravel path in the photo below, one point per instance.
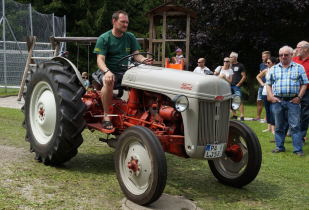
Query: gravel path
11,102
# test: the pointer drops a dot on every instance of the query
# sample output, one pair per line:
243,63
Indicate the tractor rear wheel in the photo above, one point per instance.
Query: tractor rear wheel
140,165
54,112
242,159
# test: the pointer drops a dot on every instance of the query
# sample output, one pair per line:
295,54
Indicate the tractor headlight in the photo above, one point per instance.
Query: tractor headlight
181,103
236,102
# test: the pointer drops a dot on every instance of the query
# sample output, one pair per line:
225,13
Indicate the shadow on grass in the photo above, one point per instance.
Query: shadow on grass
94,163
194,180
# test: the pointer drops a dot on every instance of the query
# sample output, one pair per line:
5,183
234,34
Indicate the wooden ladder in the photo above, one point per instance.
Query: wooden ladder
30,63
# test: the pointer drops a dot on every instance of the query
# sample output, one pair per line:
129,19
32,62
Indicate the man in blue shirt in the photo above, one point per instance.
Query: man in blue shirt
286,85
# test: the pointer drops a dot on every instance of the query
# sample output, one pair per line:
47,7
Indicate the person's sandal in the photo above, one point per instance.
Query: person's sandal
107,124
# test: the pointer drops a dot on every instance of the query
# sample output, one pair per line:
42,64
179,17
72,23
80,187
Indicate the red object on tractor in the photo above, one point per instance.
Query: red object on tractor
132,113
234,152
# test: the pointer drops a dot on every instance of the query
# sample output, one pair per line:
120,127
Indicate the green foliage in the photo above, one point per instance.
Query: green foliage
247,27
91,18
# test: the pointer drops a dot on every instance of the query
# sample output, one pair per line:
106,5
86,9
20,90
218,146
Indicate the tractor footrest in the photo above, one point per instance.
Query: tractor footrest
99,127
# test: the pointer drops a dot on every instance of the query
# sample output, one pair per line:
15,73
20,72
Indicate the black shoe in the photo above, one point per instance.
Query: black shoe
277,150
242,118
301,153
234,117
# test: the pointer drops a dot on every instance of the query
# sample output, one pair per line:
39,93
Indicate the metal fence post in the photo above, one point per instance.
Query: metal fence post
53,16
64,31
30,17
4,47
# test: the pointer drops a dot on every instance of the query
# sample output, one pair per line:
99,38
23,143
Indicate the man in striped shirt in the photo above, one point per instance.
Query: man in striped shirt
286,85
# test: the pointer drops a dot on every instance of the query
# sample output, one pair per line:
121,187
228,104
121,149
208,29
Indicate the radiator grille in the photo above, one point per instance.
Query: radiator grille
213,122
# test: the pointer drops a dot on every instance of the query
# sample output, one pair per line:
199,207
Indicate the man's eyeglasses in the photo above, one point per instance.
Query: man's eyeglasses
268,62
84,77
200,62
286,55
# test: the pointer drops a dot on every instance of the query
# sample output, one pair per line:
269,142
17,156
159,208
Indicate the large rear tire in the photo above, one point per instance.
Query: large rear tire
54,112
140,165
242,160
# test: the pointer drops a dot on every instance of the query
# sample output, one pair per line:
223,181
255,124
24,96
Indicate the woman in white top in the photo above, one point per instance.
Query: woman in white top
269,116
225,72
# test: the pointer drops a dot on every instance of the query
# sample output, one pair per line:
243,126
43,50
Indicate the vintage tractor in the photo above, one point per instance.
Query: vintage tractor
178,112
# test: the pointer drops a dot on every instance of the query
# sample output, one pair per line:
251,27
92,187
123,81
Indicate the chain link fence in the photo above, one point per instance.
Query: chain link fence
17,22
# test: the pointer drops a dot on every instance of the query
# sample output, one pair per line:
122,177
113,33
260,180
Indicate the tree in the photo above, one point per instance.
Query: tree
248,27
92,18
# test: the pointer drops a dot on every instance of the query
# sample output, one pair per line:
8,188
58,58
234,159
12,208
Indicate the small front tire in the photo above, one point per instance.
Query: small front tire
242,160
140,165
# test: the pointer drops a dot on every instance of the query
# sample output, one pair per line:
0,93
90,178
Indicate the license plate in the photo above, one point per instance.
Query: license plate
213,150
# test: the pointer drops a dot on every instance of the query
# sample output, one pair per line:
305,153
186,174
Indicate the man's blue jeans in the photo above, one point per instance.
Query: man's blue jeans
304,119
287,114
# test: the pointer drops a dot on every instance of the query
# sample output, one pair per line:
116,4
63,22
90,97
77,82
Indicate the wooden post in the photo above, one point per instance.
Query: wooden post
163,38
55,45
151,28
187,42
30,42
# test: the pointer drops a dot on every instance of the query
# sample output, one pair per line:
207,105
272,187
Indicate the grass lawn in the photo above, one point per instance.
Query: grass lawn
89,181
8,91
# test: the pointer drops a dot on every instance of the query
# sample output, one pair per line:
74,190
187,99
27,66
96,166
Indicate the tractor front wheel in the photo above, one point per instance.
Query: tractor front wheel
242,159
140,165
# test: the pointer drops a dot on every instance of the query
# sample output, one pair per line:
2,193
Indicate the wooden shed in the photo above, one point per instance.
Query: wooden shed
158,41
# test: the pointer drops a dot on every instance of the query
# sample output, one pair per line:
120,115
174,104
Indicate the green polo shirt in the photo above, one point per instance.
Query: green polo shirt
115,48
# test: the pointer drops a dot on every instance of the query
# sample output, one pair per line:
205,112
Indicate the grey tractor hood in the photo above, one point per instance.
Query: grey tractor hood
176,82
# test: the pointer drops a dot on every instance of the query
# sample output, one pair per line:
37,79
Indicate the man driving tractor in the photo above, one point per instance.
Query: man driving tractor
110,47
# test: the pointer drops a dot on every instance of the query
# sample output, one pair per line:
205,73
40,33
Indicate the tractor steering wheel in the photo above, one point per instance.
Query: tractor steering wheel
132,63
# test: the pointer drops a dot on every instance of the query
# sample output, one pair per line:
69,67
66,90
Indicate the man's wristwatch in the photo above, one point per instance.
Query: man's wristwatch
299,97
105,71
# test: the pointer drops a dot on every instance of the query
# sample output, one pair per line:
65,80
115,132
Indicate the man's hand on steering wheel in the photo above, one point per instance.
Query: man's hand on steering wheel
139,59
148,61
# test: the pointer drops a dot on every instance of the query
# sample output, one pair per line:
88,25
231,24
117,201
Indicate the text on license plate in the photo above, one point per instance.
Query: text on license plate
213,150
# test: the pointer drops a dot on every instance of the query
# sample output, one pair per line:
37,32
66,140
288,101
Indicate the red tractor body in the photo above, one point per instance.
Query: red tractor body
141,108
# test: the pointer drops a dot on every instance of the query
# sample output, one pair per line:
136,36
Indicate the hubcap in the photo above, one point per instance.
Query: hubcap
42,112
135,166
235,161
234,152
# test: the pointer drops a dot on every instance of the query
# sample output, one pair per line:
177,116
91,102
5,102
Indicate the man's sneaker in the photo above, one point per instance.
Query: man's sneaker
301,153
256,119
277,150
242,118
234,117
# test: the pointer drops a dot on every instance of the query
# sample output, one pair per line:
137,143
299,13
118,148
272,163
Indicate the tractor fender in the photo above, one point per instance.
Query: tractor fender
68,62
